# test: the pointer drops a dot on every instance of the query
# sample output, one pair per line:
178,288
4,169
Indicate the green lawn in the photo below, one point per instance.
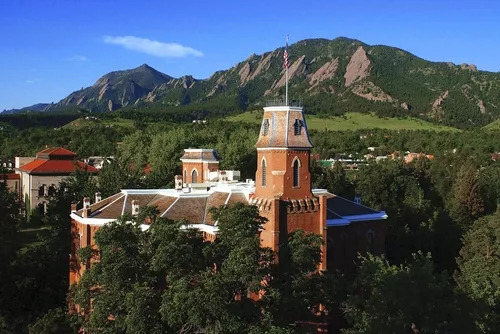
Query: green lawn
352,121
28,237
81,122
493,125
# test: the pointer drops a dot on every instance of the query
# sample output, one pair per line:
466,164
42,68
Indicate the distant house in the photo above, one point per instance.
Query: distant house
409,156
40,176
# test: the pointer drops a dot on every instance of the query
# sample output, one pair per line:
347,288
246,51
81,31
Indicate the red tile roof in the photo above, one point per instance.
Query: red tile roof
44,166
10,176
56,151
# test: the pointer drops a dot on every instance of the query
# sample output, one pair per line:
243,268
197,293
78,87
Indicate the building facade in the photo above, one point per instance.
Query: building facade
282,192
40,176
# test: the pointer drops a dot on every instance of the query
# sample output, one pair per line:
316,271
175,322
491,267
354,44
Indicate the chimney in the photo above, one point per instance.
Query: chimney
86,207
98,197
73,207
357,199
135,207
178,182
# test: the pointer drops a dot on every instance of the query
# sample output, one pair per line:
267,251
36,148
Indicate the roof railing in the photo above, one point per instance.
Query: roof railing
281,103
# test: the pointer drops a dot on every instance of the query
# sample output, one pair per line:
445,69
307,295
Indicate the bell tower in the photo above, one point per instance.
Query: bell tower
283,153
283,179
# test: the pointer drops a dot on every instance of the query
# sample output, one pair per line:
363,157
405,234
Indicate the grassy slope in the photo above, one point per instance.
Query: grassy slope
352,121
493,125
80,122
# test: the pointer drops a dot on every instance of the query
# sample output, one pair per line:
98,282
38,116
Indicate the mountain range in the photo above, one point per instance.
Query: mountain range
329,76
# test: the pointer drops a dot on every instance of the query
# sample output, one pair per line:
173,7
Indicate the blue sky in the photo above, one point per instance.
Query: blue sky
49,48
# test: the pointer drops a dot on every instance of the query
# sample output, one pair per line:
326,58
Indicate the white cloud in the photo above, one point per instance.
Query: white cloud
31,81
154,48
77,58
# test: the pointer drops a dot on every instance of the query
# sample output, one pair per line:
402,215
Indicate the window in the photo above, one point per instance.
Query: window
264,172
52,190
41,208
194,176
265,127
185,176
296,170
41,191
297,127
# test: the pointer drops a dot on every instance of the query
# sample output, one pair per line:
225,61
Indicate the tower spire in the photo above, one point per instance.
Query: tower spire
285,65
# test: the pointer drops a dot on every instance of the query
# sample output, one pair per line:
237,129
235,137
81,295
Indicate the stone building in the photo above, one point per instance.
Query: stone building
281,191
41,175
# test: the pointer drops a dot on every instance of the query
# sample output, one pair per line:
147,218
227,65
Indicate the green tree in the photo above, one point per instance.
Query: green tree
468,202
478,273
404,299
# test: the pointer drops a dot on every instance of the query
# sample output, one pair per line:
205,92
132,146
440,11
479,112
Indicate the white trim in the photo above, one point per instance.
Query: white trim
200,160
124,204
202,227
170,206
282,108
369,216
296,158
198,150
104,207
278,172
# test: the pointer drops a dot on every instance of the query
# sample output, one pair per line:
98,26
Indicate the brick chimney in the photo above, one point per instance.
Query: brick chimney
98,197
135,207
73,207
86,207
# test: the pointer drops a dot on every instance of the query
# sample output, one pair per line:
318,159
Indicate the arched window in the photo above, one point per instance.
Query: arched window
52,190
41,208
265,127
41,191
296,170
194,176
264,172
297,127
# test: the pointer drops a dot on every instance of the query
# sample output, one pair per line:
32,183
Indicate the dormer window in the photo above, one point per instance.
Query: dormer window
297,127
265,127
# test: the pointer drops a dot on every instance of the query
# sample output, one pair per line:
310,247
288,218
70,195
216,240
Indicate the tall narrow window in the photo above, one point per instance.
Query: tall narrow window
41,190
296,169
264,172
185,177
297,127
265,127
194,176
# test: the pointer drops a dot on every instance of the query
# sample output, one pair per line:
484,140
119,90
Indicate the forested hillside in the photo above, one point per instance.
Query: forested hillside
330,76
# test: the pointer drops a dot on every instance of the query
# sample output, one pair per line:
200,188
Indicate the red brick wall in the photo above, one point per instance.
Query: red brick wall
281,182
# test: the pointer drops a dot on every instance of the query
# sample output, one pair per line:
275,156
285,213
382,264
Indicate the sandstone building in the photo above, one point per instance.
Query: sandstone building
281,191
40,176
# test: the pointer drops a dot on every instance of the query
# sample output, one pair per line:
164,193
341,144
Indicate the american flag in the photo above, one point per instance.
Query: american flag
285,57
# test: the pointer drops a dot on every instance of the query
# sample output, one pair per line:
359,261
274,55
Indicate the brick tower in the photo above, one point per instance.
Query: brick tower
283,180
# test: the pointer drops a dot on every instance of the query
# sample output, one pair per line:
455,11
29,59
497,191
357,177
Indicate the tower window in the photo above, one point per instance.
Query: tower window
297,127
296,169
264,172
194,176
265,127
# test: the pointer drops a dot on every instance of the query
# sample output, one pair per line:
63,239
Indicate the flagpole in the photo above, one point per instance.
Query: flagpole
286,77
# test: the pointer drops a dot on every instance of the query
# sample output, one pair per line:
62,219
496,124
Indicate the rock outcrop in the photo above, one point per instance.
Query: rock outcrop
358,67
